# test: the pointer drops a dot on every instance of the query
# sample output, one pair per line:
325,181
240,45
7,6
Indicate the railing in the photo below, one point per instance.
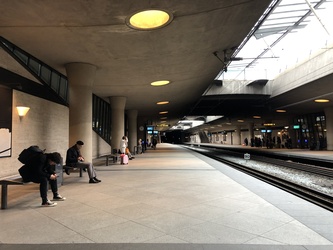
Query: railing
48,76
58,83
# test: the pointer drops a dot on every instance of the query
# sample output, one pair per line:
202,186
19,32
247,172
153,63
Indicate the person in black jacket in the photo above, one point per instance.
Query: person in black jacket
41,169
75,159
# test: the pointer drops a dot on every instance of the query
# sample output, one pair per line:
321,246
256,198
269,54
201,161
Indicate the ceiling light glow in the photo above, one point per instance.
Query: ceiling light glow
160,83
322,100
162,102
149,19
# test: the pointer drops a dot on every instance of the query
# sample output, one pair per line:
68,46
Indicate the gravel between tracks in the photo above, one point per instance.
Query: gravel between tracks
313,181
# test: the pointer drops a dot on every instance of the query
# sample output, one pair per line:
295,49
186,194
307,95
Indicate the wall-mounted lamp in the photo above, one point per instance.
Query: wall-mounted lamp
22,111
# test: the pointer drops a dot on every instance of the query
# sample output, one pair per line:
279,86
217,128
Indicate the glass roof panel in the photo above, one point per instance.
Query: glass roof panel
289,35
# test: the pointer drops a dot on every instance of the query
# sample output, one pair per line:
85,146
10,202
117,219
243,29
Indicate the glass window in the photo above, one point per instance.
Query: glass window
45,74
55,81
278,44
34,66
22,56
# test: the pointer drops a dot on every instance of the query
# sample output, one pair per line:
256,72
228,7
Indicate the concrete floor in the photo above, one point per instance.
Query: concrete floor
168,198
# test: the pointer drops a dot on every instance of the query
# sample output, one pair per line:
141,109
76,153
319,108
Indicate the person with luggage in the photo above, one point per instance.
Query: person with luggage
75,159
123,146
41,169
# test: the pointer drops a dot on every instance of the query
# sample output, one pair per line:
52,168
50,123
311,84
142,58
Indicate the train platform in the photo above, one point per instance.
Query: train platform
168,198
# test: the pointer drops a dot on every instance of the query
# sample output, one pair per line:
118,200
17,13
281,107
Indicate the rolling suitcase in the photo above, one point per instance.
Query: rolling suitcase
124,159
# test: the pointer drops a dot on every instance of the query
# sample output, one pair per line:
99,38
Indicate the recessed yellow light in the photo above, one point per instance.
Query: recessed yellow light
163,112
162,103
164,118
160,83
149,19
240,120
281,111
256,116
322,100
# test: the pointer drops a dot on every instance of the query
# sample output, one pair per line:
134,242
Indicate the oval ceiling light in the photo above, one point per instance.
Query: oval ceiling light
281,111
321,100
163,112
160,83
162,102
164,118
256,116
149,19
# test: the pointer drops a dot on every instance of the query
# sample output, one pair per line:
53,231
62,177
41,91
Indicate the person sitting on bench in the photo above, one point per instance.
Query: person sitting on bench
74,159
41,169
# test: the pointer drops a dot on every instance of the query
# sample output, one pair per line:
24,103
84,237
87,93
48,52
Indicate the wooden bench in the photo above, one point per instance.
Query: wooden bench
5,182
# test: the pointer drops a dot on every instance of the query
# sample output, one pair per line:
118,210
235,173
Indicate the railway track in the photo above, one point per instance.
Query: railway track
313,196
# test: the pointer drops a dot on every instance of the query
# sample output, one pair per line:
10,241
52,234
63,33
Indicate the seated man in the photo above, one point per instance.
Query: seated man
41,169
74,159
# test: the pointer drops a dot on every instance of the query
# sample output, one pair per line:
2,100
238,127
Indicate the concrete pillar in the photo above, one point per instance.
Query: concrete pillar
251,131
132,129
329,127
80,79
117,120
238,136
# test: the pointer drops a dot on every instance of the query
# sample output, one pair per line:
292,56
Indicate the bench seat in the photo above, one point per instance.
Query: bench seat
73,168
114,156
110,156
5,182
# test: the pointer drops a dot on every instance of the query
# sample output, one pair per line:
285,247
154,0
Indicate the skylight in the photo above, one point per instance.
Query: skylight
290,34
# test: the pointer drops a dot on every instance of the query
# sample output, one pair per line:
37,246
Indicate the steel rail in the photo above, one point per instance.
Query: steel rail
315,197
292,164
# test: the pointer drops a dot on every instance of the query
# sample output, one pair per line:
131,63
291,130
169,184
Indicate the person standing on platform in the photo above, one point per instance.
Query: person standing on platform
154,143
143,143
123,145
140,150
75,159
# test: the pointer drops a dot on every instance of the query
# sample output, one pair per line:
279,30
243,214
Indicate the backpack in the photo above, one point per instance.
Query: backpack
29,153
25,173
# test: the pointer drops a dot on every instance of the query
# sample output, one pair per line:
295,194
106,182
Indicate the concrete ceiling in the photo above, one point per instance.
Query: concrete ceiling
127,60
